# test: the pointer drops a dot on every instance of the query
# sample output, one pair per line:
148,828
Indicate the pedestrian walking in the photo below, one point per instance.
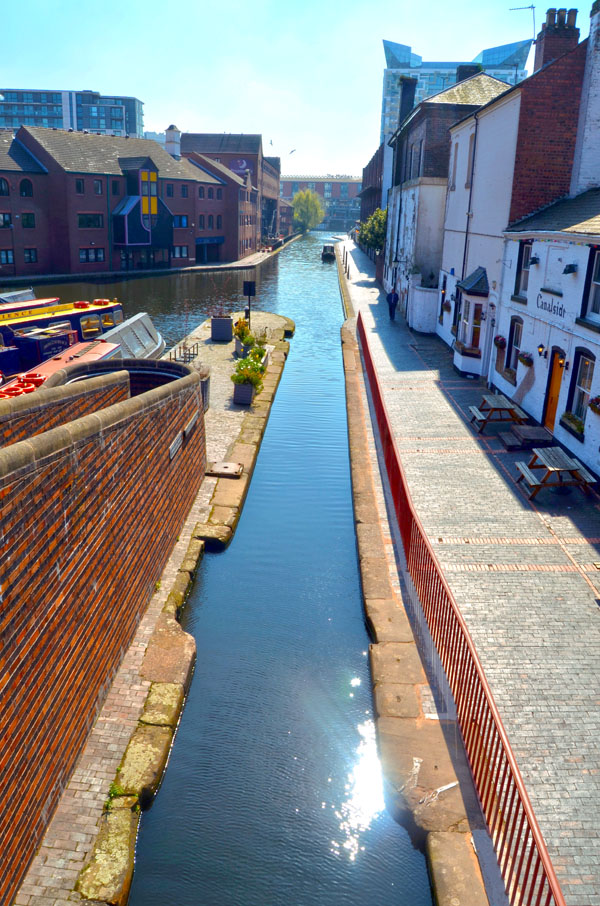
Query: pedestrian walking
392,301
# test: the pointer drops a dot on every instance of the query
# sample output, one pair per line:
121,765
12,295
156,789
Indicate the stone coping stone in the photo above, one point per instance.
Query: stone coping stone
455,872
215,537
144,761
163,705
170,655
224,469
107,876
396,662
387,620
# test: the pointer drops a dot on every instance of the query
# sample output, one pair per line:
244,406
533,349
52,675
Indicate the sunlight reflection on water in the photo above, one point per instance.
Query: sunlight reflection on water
365,793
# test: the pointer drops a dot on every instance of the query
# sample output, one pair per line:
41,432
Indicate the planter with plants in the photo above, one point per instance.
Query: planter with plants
573,424
247,376
525,358
244,340
221,327
500,342
594,404
446,306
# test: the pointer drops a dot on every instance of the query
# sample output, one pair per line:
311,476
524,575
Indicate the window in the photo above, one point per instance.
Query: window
90,221
115,186
581,383
592,302
97,187
470,161
28,221
169,190
211,222
219,221
4,189
6,256
91,255
523,262
180,220
5,221
514,343
26,188
201,222
210,193
219,194
180,251
79,187
184,191
30,256
200,191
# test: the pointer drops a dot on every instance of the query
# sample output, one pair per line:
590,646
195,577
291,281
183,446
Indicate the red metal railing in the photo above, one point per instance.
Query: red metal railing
520,849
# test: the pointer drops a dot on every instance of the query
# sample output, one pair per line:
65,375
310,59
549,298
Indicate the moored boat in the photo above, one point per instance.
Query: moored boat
31,380
328,253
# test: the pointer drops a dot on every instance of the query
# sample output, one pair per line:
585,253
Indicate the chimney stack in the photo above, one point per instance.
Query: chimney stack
558,36
173,142
586,161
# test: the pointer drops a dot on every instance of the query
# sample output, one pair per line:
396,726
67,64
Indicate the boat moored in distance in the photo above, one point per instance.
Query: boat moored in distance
328,253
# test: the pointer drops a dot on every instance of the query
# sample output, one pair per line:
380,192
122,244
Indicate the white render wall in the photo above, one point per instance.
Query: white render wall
586,162
550,319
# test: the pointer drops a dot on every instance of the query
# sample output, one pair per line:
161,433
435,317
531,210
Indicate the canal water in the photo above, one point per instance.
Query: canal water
273,794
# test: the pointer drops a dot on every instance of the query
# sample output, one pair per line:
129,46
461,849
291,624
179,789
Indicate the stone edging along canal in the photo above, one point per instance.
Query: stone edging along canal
418,760
170,656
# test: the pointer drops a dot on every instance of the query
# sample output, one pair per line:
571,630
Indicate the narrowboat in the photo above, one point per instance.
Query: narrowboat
29,380
328,253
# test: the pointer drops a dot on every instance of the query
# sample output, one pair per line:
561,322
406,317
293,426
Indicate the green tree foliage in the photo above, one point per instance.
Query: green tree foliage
372,233
308,210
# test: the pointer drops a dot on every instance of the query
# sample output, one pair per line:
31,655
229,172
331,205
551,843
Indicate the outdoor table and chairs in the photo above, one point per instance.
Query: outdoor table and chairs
551,467
496,407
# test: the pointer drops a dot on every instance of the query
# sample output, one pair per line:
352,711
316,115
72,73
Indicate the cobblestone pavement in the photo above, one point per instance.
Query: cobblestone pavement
71,833
523,574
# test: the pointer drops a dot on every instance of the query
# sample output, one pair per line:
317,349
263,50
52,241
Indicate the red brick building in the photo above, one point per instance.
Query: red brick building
339,196
73,202
243,154
372,181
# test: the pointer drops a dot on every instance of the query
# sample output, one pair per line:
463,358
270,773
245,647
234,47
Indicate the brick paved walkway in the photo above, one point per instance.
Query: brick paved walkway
523,575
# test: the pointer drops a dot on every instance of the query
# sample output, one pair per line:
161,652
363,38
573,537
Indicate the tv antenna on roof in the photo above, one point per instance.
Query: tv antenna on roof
532,8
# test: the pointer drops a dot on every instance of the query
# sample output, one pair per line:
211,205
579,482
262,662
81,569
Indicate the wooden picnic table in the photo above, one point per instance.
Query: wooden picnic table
496,407
556,470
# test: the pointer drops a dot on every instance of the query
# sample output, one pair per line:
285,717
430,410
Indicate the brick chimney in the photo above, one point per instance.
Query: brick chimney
586,161
467,70
559,34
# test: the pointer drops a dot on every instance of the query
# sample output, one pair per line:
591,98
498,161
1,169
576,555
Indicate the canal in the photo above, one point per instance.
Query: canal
273,794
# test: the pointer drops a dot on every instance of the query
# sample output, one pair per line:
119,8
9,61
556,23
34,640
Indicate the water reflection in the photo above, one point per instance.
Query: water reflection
364,802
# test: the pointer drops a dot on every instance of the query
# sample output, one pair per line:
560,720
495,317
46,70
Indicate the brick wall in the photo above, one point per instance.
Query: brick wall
28,415
547,132
89,513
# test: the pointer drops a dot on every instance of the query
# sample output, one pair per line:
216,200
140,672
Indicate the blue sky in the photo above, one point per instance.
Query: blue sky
306,74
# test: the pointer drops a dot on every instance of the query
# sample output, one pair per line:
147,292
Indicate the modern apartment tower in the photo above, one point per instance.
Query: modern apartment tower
77,110
407,79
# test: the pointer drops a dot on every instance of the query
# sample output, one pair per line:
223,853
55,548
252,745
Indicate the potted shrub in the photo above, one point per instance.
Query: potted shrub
221,327
500,341
446,306
525,358
244,340
594,404
247,377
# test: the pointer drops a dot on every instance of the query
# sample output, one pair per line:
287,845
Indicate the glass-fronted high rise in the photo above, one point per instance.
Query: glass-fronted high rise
506,62
77,110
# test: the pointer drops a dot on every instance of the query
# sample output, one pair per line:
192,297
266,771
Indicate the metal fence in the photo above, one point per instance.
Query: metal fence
520,849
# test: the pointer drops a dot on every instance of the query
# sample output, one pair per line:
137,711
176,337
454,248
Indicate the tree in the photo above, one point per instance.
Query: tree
308,210
373,231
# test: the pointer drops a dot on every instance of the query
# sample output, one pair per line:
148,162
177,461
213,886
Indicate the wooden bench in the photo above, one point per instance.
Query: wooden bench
526,473
587,476
520,413
476,415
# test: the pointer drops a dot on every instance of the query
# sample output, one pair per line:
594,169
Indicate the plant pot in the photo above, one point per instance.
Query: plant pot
241,349
243,394
221,329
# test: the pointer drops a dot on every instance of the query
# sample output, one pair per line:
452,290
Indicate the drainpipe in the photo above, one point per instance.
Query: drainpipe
469,214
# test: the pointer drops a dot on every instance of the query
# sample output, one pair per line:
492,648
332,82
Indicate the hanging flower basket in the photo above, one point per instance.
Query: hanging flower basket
447,306
594,404
525,358
500,342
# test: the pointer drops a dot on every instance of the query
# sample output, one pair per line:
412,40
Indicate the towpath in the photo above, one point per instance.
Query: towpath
523,575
